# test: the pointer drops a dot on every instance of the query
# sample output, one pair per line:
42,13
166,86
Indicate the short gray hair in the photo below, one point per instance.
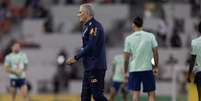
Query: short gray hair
88,7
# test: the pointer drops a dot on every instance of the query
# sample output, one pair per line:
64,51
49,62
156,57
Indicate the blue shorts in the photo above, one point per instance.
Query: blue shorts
117,85
197,79
17,83
145,77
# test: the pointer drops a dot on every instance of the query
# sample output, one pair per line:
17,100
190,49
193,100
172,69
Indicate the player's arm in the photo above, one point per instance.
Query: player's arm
126,61
7,66
127,53
192,60
155,51
155,65
25,67
192,63
155,55
25,62
113,70
9,70
90,45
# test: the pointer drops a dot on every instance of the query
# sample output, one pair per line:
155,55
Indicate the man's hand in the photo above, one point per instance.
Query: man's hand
71,61
155,71
19,72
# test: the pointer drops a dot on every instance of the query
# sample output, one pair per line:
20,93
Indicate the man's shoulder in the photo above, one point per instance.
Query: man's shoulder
22,53
195,41
9,55
96,23
130,36
148,33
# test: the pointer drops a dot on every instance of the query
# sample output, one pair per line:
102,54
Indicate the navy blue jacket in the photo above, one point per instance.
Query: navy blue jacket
93,49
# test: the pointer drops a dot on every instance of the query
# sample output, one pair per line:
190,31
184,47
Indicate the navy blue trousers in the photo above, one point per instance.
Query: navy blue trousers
93,85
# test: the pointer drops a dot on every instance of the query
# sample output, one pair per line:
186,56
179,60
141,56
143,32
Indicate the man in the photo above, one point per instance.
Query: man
196,60
16,65
118,78
139,47
93,54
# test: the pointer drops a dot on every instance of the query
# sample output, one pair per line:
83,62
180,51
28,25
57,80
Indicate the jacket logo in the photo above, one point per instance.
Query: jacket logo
94,80
93,31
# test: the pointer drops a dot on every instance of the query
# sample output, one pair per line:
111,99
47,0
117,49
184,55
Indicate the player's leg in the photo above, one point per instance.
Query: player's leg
23,89
13,89
112,94
13,92
125,96
86,92
97,85
149,84
152,96
124,92
24,92
114,90
135,95
134,81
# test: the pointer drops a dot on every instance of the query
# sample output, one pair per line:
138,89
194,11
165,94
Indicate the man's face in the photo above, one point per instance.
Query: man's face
16,47
83,15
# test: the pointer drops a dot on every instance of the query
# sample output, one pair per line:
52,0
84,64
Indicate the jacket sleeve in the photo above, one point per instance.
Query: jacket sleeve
90,44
